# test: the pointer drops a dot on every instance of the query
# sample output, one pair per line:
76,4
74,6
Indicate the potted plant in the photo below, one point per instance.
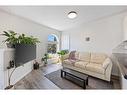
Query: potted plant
11,38
14,38
45,58
23,39
61,53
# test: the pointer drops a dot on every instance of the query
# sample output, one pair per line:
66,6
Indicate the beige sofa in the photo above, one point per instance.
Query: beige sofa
94,64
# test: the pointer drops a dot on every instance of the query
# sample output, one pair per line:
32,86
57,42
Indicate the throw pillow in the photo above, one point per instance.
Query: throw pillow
72,55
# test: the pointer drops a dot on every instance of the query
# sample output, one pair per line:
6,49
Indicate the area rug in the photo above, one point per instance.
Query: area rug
63,83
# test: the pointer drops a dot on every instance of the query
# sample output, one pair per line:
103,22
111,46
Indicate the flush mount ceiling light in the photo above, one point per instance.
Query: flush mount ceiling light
72,15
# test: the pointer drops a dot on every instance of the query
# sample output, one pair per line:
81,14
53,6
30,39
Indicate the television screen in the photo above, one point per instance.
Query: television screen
24,53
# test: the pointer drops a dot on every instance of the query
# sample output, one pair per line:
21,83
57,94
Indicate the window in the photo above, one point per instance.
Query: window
52,44
52,38
52,48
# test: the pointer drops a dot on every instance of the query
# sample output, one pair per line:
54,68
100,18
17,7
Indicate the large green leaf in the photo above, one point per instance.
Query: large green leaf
6,34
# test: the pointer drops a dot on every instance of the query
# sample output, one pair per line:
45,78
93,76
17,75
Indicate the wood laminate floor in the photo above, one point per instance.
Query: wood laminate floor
37,80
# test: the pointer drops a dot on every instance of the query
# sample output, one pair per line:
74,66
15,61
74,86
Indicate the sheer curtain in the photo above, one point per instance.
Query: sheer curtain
65,42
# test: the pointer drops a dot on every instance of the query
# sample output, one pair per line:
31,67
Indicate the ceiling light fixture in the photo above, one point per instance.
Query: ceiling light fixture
72,15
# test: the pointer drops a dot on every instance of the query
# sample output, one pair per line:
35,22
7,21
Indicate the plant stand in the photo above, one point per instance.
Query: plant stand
9,87
9,80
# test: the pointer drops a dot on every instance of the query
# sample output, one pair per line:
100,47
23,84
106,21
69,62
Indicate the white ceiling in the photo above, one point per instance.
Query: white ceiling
56,16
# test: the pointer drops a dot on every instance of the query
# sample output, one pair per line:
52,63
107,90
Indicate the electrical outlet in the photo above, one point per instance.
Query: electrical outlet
11,64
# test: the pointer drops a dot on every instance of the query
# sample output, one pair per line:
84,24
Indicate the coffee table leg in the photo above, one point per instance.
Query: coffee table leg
84,84
87,81
65,74
61,73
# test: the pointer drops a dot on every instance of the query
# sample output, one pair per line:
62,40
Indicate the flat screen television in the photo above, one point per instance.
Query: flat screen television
24,53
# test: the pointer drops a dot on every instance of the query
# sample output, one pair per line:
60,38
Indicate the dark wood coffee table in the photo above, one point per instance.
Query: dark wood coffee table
75,74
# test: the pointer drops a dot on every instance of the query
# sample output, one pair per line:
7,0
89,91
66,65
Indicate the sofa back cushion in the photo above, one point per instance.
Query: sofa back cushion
98,58
84,56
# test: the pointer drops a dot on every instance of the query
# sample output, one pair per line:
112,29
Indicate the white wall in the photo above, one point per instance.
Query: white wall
125,27
21,25
105,34
1,70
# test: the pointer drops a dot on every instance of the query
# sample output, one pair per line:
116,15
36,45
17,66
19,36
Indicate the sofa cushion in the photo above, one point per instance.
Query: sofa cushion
95,68
98,58
69,62
84,56
81,64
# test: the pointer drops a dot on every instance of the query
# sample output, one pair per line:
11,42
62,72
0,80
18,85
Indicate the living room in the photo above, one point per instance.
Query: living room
90,32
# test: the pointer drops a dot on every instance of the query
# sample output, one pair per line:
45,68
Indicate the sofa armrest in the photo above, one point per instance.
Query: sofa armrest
64,57
108,71
106,63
